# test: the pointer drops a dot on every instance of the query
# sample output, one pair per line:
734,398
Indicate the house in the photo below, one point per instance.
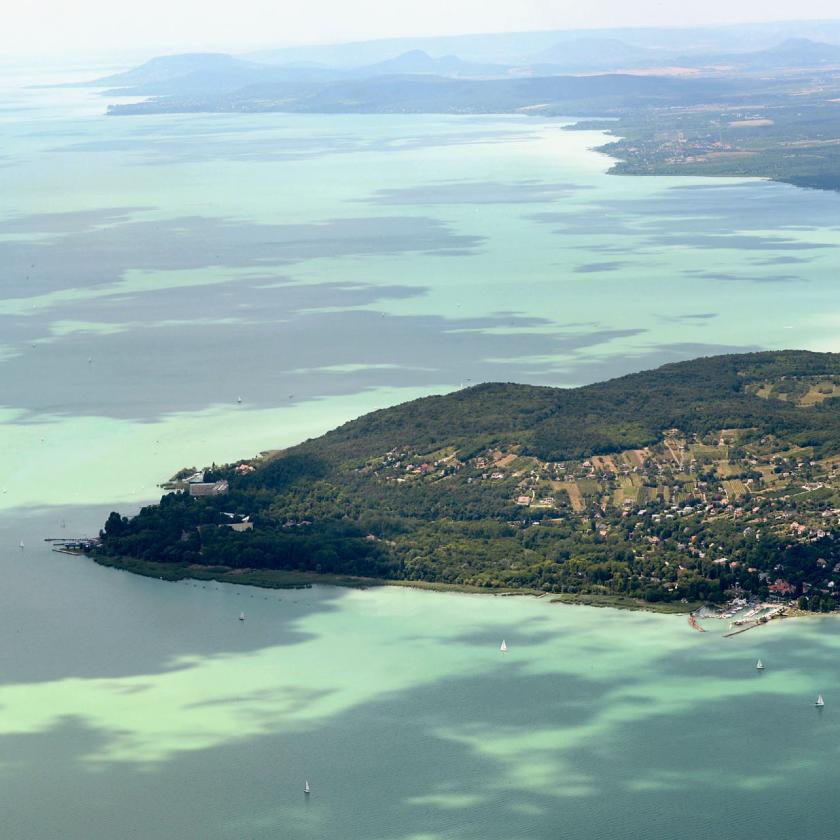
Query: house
781,588
523,500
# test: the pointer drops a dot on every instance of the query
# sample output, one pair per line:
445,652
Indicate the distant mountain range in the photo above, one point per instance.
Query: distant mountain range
214,74
525,48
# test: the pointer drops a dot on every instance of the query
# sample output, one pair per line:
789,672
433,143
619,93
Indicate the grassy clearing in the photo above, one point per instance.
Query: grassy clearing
702,450
819,392
575,497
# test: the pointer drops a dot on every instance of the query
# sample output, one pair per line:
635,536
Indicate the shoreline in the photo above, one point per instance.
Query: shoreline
284,579
626,160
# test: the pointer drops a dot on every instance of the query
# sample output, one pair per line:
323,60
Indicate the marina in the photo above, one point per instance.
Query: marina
741,614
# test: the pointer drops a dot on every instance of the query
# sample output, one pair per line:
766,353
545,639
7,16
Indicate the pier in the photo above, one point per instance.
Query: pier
72,545
744,626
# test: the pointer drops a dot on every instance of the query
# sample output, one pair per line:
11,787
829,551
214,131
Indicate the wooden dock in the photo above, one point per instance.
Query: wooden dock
743,628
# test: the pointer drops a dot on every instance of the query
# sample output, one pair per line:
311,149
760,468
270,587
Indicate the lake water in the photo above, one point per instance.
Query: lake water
156,269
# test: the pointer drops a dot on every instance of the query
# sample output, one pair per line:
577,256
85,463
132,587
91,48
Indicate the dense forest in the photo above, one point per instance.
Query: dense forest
493,486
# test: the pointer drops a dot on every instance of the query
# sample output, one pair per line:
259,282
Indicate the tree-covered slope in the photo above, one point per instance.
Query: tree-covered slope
556,424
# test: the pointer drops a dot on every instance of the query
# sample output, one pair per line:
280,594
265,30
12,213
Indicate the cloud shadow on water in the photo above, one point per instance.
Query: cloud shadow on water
507,753
85,255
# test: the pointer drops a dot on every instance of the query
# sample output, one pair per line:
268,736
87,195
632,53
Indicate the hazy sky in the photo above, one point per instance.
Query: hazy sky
72,26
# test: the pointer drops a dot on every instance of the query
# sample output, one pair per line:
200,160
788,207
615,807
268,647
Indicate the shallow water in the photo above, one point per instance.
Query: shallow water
156,269
135,707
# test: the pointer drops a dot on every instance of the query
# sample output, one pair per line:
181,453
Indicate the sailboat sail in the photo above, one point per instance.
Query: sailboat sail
306,788
503,645
759,665
820,701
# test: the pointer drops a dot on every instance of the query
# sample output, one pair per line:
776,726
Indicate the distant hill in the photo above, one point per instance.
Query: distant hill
629,489
795,52
189,74
791,54
171,67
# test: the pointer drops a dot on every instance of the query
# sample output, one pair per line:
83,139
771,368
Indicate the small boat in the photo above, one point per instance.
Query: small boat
759,665
242,616
503,646
239,400
21,545
306,789
820,702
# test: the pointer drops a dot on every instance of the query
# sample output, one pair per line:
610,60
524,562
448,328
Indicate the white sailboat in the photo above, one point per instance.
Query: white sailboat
306,789
820,702
759,665
503,646
21,545
242,616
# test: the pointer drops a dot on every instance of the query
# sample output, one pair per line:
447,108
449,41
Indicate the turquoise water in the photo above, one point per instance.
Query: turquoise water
135,707
154,270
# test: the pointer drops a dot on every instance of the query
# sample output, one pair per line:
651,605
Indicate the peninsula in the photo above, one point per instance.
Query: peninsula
696,482
770,113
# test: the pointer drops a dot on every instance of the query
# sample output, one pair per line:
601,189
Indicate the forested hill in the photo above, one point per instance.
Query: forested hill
691,481
556,424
